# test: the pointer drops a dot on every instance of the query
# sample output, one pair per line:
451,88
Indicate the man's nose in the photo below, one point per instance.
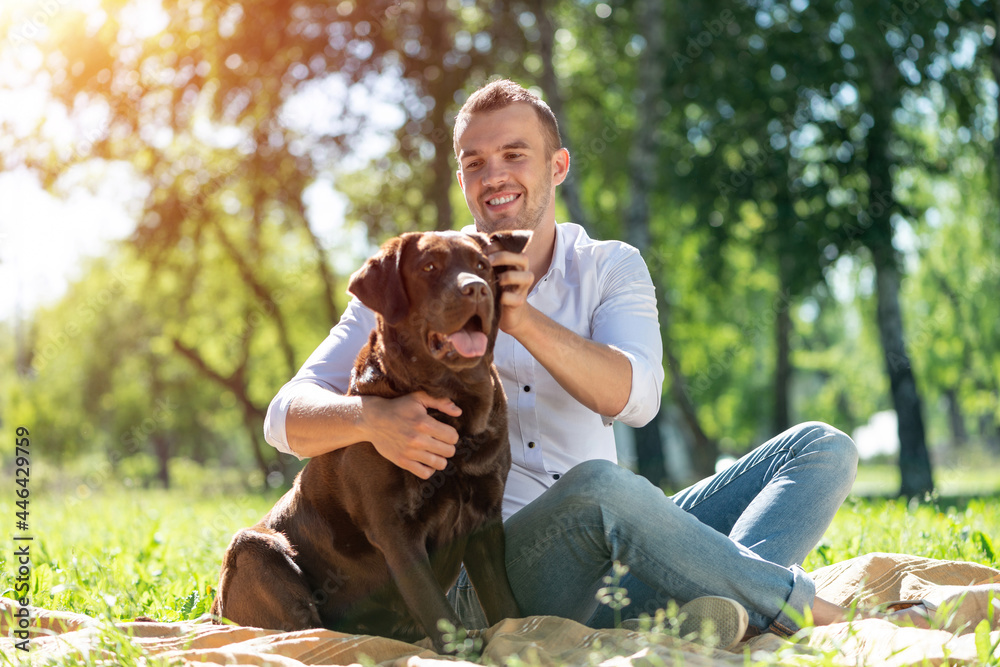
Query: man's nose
472,285
494,174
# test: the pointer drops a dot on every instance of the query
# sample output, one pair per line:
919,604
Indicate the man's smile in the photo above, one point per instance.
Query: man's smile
498,202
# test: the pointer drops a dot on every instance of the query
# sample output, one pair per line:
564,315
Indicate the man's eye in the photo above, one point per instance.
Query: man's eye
429,267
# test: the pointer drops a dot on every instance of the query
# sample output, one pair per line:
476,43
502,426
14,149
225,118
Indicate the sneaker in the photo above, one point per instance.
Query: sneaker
714,621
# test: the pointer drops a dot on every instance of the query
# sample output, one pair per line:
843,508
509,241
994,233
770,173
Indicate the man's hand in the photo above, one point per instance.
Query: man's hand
515,283
403,432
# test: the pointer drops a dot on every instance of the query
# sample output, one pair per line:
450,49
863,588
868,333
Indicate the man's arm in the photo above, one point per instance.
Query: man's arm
311,415
595,374
320,421
621,368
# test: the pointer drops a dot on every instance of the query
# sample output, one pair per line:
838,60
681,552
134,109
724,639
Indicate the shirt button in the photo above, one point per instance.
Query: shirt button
527,387
555,476
531,445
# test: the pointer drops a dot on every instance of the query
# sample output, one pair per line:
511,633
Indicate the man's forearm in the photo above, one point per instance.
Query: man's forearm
597,375
319,421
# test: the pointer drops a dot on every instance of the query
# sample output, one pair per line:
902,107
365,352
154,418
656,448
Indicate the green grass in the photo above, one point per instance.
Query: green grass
981,479
950,529
157,553
133,552
116,553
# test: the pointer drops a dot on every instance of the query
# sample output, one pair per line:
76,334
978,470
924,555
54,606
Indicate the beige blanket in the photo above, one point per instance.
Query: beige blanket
963,592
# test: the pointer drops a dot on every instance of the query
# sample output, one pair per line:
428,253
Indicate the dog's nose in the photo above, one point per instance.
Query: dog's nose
472,285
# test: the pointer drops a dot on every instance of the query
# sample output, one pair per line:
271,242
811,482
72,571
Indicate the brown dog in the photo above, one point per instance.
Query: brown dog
358,544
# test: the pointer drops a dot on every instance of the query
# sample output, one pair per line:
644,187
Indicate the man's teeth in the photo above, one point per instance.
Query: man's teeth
501,200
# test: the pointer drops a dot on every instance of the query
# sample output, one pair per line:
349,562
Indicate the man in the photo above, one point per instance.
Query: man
579,347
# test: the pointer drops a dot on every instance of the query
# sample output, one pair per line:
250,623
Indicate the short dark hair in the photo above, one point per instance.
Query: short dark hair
501,94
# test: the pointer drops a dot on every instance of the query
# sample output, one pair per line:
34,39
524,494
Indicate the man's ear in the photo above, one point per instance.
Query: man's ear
511,241
560,166
379,282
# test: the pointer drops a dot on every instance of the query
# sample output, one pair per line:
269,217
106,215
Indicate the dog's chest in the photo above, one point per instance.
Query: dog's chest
452,503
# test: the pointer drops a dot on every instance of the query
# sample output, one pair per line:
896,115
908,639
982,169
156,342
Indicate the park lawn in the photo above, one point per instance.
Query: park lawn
118,553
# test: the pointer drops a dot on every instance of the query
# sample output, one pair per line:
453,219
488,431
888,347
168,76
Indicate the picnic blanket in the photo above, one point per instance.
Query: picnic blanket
963,592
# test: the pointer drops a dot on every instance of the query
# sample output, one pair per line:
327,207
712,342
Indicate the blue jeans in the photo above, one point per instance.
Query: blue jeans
741,533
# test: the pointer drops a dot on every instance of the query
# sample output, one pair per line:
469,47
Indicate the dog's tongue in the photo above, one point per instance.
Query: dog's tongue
469,343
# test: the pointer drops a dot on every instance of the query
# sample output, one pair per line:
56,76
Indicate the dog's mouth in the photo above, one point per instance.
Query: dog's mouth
470,341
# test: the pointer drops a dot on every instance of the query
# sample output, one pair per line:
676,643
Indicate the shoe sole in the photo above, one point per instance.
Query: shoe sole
714,621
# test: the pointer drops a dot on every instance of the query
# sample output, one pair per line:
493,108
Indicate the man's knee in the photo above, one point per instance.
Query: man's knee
596,475
834,442
601,486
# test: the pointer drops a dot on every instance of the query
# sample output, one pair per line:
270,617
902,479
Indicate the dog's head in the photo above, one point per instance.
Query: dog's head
438,290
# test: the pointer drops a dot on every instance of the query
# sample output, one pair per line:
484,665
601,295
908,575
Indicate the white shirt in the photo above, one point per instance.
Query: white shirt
600,290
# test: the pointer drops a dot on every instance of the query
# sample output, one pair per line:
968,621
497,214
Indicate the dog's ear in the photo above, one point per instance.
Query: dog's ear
511,241
479,238
379,282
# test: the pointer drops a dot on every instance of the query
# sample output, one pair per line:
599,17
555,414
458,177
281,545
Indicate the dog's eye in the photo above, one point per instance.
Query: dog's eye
481,266
429,267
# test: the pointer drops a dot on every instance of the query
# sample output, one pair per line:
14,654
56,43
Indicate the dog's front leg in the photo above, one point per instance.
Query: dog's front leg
411,571
484,561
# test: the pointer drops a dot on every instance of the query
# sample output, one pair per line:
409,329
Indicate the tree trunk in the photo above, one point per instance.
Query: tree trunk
989,431
161,447
995,65
787,260
444,175
265,299
570,189
322,267
251,425
437,21
704,450
956,420
649,452
253,416
914,461
782,367
642,178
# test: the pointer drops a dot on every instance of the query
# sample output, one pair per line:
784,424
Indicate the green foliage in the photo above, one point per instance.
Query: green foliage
612,594
460,642
760,197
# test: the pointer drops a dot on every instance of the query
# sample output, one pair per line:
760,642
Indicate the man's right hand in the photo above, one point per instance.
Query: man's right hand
403,432
319,421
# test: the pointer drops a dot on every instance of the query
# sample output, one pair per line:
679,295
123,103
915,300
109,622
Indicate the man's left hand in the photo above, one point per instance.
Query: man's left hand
515,284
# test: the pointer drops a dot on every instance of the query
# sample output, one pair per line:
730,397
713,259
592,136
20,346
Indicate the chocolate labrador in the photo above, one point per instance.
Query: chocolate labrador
358,544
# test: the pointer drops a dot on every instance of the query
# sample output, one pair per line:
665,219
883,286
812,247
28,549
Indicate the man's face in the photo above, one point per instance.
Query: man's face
504,171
